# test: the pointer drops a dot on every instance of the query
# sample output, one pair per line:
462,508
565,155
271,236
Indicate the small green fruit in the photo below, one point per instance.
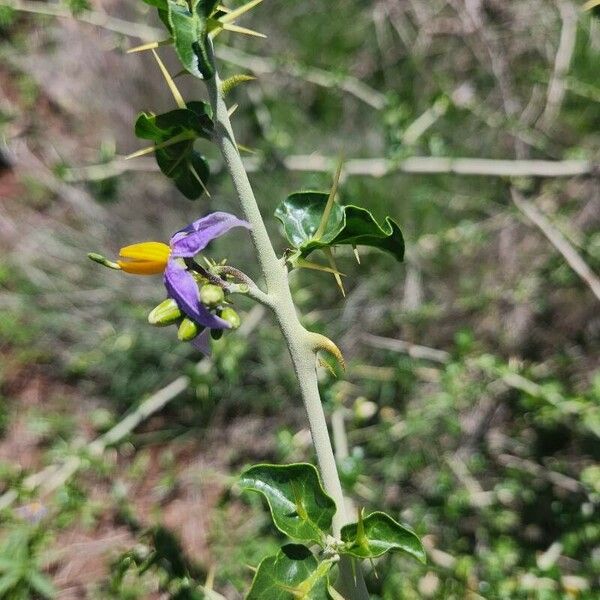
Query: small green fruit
188,330
211,295
166,313
229,315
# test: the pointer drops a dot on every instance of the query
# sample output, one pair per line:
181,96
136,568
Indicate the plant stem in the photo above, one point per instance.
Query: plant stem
299,340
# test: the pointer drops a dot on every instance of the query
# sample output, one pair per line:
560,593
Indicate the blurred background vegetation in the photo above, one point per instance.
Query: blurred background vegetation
470,407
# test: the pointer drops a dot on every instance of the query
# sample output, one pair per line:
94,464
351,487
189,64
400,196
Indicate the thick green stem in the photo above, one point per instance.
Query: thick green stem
300,342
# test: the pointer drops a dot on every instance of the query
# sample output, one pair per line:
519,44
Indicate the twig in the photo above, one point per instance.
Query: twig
413,350
562,63
253,290
475,20
373,167
114,168
77,198
537,470
585,90
500,121
555,96
478,497
211,594
54,476
380,167
257,64
424,121
551,396
558,240
266,66
97,19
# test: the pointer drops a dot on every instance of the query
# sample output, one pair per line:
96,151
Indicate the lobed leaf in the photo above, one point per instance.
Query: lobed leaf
301,215
189,29
187,168
174,134
196,119
292,574
299,505
377,534
363,230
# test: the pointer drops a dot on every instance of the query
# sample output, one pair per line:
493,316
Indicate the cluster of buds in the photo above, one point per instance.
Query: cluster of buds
212,296
197,297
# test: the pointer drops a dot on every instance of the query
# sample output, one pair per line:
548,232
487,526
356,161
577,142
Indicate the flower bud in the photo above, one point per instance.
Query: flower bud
211,295
188,330
165,313
102,260
229,315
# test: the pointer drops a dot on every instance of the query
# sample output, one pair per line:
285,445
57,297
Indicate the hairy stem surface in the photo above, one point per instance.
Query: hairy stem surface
300,341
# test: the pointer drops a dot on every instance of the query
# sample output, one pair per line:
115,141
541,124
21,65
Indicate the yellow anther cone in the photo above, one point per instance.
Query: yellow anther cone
145,258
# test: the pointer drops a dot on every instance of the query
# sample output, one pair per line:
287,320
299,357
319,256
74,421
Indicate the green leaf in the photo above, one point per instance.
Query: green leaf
179,161
9,582
41,584
207,6
190,35
363,230
377,534
187,168
196,119
299,505
160,4
301,215
292,574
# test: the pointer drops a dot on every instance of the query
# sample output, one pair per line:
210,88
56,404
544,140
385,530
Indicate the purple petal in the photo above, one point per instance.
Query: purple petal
195,237
202,343
182,287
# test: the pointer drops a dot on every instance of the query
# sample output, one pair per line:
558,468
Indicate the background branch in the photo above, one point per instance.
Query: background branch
98,19
562,63
558,240
373,167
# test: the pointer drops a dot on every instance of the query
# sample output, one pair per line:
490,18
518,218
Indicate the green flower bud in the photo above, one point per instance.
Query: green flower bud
211,295
229,315
102,260
188,330
216,334
165,313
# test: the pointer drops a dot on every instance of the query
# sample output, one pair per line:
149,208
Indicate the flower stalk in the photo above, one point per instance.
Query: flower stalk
300,342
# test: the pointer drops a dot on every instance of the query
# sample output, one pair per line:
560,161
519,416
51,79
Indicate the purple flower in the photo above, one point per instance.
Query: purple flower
148,258
192,239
